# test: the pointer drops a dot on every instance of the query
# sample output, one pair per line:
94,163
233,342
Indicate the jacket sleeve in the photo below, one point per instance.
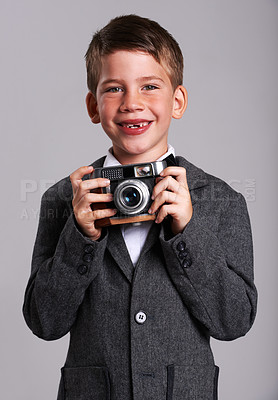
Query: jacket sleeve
213,270
64,263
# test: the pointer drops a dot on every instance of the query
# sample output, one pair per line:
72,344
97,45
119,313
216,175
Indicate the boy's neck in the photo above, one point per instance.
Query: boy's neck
139,158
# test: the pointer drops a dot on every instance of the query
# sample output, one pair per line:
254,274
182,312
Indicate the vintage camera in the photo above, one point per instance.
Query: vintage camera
131,186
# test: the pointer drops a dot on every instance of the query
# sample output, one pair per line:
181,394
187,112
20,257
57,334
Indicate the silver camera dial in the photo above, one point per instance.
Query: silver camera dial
131,196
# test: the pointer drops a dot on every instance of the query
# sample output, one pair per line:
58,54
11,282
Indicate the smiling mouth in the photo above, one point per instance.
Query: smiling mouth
135,126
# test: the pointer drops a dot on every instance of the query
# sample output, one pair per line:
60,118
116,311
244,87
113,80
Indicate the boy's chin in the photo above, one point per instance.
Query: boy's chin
132,157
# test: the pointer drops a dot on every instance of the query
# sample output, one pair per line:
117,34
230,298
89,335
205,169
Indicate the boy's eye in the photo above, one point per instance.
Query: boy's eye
150,87
114,89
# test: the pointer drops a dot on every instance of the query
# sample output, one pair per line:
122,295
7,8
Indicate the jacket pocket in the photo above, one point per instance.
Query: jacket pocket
198,382
85,383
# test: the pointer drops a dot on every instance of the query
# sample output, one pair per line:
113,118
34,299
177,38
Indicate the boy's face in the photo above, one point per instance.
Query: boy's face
134,103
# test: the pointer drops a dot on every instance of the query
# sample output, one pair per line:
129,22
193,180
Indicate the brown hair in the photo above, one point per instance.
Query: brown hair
131,32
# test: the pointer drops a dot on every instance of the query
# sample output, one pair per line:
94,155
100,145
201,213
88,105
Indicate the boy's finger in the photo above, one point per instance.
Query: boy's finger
178,172
88,216
168,183
90,184
167,209
76,176
104,213
85,201
88,198
161,199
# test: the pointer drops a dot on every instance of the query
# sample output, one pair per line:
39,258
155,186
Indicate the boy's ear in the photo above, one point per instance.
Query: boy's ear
92,108
180,102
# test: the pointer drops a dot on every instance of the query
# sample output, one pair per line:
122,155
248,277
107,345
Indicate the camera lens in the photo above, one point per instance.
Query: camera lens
131,196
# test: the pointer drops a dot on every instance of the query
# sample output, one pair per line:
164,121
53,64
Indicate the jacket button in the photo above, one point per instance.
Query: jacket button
183,254
88,248
187,262
181,246
140,317
87,257
82,269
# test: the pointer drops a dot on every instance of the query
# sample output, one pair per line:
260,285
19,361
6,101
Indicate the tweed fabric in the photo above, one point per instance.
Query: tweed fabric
191,286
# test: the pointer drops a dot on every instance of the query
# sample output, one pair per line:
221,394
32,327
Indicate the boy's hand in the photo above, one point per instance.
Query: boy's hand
83,198
171,197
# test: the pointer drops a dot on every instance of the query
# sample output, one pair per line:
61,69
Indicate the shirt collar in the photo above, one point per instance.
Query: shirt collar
111,161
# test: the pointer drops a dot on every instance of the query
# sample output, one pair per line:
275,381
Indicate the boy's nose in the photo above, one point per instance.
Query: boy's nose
132,102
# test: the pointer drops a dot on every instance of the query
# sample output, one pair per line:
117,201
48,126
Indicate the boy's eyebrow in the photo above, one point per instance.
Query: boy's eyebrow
142,78
151,77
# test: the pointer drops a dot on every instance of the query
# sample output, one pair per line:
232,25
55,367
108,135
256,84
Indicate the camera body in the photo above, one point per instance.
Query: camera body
131,186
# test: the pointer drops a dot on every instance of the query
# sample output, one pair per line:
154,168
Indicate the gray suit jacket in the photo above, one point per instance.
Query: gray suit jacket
143,333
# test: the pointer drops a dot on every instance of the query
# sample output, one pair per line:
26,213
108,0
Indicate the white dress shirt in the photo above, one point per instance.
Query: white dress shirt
134,234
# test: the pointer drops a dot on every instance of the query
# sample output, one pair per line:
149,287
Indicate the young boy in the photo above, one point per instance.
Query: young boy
140,302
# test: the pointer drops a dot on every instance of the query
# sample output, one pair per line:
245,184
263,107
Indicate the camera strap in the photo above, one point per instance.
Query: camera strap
171,160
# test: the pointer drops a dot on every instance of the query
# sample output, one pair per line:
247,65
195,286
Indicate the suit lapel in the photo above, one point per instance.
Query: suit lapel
196,178
118,250
150,241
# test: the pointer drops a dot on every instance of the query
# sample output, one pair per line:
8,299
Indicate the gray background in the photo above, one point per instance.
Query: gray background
231,64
